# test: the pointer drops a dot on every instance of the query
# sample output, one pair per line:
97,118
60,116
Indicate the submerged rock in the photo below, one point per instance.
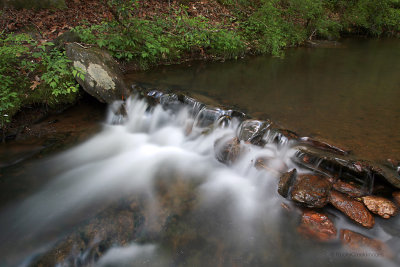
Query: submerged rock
352,208
351,189
285,182
359,242
396,196
253,131
208,116
394,164
153,97
361,172
172,102
311,190
380,205
102,77
193,105
280,136
227,150
317,226
323,145
85,245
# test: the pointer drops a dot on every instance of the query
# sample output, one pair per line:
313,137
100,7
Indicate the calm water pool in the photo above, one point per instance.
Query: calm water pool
348,94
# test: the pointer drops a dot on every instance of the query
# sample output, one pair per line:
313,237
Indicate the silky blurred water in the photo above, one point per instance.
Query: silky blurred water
197,210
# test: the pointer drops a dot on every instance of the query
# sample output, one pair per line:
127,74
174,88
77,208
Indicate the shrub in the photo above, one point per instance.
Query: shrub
32,73
167,39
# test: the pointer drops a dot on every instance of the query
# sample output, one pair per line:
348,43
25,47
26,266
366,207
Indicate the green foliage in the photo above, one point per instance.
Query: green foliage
165,39
57,71
370,16
13,48
32,73
265,26
276,24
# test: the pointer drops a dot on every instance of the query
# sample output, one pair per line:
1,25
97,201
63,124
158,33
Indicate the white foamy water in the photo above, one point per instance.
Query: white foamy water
236,209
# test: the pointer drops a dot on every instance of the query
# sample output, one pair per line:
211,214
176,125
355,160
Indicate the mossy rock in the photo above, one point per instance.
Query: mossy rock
33,4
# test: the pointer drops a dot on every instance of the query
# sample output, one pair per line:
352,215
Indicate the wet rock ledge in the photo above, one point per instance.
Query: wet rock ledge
326,176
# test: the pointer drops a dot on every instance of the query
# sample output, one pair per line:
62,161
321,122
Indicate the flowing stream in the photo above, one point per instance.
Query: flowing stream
193,209
148,189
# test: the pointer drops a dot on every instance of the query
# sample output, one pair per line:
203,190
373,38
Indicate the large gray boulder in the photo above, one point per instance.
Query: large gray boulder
33,4
103,78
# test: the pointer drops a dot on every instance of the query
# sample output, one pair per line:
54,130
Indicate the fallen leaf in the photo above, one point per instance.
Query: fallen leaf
34,85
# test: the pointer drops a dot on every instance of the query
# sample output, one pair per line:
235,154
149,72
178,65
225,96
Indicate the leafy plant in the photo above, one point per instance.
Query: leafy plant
32,73
57,70
164,39
13,49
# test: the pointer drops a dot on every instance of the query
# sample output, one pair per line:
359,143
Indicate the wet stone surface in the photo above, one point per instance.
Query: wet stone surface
89,242
227,150
396,196
323,145
318,226
311,190
351,189
354,209
208,116
252,131
380,205
285,182
359,243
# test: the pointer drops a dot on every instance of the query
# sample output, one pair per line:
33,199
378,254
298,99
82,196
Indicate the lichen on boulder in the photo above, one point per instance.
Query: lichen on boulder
102,77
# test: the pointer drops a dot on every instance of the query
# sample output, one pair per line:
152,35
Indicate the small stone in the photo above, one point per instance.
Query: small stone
311,190
285,182
317,226
353,209
227,151
358,242
380,205
396,196
252,131
349,189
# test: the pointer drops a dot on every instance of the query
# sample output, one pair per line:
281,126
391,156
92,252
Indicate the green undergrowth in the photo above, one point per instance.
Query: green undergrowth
164,39
32,73
261,26
272,25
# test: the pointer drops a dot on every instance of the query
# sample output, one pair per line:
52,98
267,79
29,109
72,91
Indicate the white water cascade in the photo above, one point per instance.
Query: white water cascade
230,214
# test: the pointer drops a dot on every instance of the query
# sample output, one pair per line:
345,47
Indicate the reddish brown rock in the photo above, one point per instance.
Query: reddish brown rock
358,242
317,226
285,182
323,145
311,190
380,205
396,196
349,189
353,209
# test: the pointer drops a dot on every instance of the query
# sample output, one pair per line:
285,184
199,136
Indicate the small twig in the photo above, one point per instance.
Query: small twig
85,47
312,34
